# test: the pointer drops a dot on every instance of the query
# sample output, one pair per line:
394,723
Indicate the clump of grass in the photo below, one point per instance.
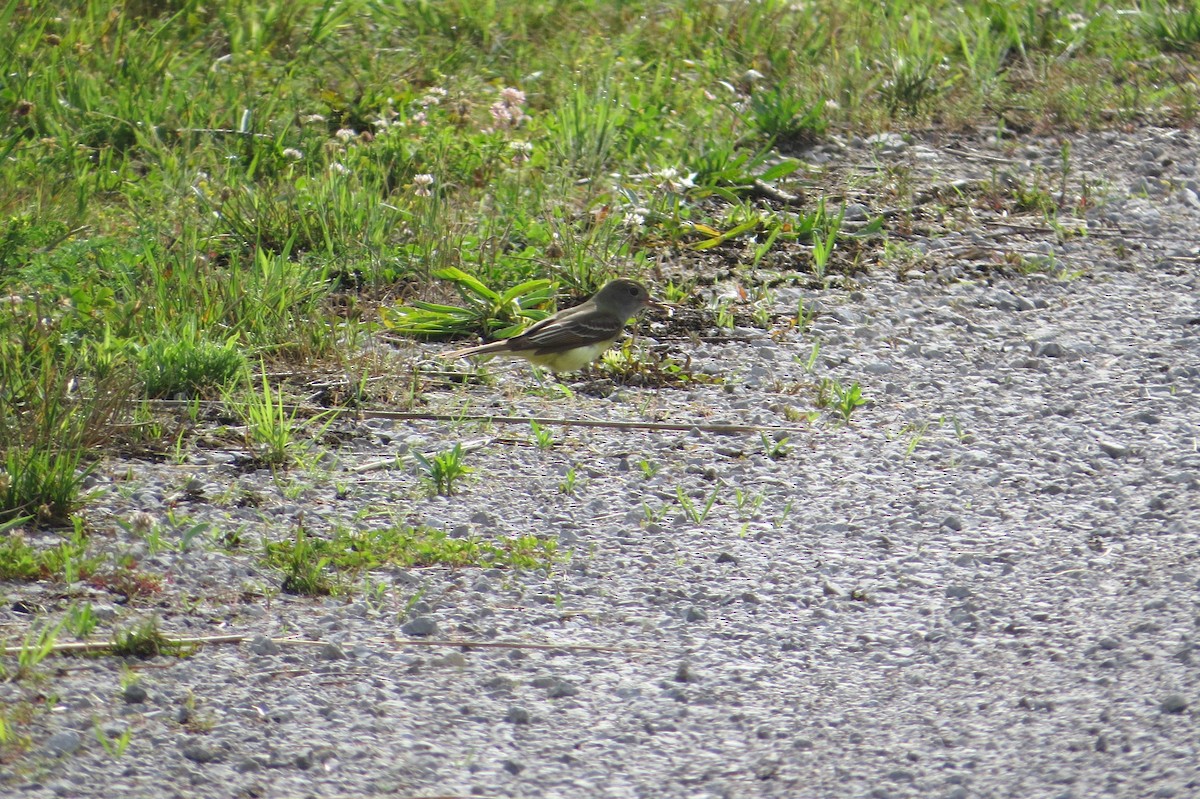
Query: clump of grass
844,400
69,561
56,403
38,644
145,641
496,314
303,565
1175,27
274,434
188,365
442,471
308,560
786,118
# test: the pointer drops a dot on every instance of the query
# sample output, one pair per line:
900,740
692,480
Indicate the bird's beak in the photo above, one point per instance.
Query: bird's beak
661,306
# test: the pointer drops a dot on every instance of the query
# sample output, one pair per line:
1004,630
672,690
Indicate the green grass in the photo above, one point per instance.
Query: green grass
188,187
69,561
315,566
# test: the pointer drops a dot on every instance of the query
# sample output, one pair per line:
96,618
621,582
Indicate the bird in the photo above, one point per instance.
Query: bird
569,340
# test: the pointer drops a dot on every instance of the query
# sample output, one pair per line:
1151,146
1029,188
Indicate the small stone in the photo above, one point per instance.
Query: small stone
856,212
262,645
420,626
512,767
695,614
134,694
331,652
200,753
958,592
952,522
62,743
725,557
1174,703
1113,449
517,715
684,673
452,659
562,688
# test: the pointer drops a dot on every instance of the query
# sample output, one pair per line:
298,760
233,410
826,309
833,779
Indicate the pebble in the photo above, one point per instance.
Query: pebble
420,626
66,742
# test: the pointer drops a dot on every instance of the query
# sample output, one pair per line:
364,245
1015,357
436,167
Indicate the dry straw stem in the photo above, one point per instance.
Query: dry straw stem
727,429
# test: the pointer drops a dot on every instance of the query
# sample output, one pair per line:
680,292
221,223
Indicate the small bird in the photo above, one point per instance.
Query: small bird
571,339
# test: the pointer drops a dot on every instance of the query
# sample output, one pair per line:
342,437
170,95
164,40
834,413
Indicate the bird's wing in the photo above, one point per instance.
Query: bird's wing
568,331
478,349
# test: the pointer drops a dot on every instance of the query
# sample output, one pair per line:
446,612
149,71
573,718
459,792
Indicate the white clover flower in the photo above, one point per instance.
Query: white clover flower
513,97
433,96
422,184
293,154
339,168
671,180
636,217
312,119
521,151
346,134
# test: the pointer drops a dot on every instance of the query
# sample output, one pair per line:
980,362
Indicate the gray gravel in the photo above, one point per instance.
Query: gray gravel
986,585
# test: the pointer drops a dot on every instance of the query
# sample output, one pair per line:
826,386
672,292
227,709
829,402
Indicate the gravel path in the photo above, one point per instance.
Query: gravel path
986,585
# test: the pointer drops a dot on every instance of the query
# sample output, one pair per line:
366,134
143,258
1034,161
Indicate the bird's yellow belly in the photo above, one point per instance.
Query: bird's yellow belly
571,360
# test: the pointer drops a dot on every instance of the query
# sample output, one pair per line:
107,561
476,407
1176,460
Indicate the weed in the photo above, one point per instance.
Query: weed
824,237
633,365
543,438
493,313
362,550
116,746
81,621
188,365
697,515
145,641
124,579
443,470
746,502
653,515
846,400
787,118
810,362
303,566
38,644
1174,27
67,561
918,434
775,449
272,432
569,482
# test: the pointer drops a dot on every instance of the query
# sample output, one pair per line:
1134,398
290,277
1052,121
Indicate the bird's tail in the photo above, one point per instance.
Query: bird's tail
480,349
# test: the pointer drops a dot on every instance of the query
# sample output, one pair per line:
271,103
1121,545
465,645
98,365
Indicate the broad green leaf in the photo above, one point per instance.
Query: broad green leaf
529,286
708,244
468,281
782,169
